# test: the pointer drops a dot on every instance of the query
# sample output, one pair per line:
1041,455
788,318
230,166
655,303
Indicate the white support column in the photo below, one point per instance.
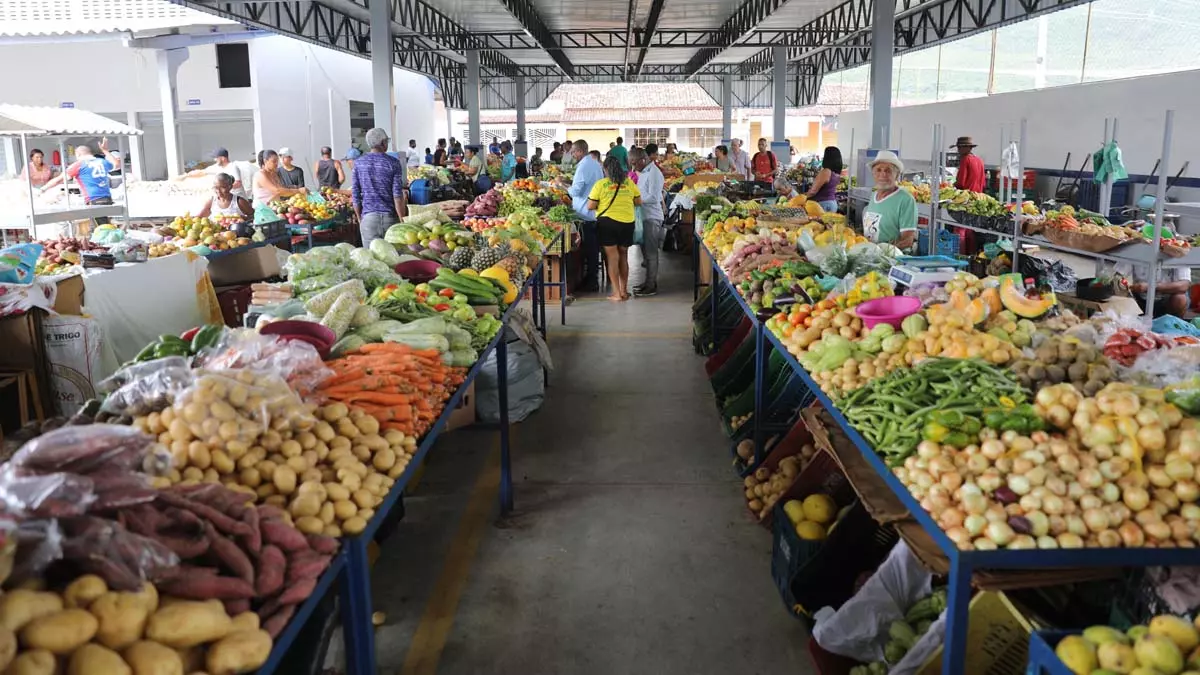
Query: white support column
779,141
472,96
169,61
726,109
135,146
520,95
382,88
883,18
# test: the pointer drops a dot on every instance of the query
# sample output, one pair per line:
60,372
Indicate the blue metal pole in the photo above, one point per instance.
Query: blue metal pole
696,270
760,376
542,292
563,283
713,287
355,588
954,654
506,489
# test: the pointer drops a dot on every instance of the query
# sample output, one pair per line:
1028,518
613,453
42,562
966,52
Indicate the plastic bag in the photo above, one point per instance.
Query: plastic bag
295,360
316,262
385,252
372,272
30,494
1053,273
859,628
123,559
265,214
930,641
85,449
38,542
17,263
338,318
320,303
1186,395
239,405
365,315
147,387
306,288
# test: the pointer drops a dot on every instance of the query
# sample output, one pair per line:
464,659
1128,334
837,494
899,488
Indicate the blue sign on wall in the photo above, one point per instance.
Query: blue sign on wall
193,101
67,104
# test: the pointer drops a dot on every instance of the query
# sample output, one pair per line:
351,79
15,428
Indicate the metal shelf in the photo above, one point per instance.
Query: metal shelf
962,563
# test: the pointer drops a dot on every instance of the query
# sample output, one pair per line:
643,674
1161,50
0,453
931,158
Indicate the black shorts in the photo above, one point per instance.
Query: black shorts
614,232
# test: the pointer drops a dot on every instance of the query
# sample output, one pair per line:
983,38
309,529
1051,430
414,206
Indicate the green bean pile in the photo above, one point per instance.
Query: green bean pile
890,411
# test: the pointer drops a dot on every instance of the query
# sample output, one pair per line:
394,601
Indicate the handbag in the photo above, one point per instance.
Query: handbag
637,226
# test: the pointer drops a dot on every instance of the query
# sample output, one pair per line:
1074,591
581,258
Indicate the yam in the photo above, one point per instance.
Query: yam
151,658
60,633
92,659
271,564
239,652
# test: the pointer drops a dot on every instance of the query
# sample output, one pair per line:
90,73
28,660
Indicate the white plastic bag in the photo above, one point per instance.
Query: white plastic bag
859,629
637,269
929,643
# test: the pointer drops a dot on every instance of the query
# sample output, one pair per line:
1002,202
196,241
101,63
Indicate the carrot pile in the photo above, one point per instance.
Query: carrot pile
404,388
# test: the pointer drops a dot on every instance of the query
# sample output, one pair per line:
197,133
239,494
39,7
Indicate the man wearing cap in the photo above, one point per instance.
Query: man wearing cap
241,172
890,216
290,175
377,188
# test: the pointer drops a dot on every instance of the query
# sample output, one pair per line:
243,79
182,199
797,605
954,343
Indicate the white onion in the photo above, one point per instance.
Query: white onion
1096,519
1014,510
928,449
1190,511
951,518
1040,437
1019,484
1180,530
922,479
992,449
1069,540
1090,501
1052,505
987,434
1187,491
1024,445
1047,542
1167,497
1037,475
1136,498
939,466
1075,525
1118,513
1030,503
921,464
1157,530
1146,516
1158,476
974,503
910,462
978,463
1056,485
996,514
1021,542
959,536
1090,478
1131,534
974,524
999,532
1110,493
1058,525
982,544
1009,436
1109,471
951,481
988,482
1075,490
1020,465
1103,452
1039,523
1109,539
1059,447
1068,463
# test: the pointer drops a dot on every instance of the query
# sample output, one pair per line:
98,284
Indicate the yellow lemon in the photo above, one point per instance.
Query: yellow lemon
794,511
819,509
809,530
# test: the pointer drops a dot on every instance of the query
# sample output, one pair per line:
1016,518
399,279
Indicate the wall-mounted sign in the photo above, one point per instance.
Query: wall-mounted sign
193,101
67,104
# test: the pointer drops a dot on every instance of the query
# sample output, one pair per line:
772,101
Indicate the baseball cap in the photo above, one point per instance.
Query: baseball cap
285,152
353,153
220,152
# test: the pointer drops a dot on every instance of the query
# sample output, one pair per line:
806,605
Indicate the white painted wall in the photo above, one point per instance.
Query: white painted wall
1060,120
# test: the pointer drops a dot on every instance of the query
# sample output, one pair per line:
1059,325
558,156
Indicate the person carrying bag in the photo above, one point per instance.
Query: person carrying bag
616,223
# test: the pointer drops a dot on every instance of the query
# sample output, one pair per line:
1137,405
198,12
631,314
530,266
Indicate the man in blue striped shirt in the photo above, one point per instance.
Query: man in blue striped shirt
377,189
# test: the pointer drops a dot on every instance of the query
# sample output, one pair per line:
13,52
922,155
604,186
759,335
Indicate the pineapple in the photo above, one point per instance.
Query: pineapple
484,258
511,265
461,257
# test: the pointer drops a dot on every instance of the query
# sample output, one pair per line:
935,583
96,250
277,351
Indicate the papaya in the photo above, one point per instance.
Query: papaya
1012,296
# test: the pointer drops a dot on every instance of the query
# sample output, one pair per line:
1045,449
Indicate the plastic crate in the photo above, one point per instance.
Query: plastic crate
1042,659
272,230
419,191
233,303
947,243
727,349
997,638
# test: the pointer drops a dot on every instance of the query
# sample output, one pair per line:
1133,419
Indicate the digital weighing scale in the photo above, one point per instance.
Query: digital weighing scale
910,271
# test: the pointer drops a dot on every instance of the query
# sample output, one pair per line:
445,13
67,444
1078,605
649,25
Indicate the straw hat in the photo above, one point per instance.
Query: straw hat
964,140
887,157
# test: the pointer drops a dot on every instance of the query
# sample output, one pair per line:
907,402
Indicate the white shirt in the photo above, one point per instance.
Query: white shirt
741,161
237,170
414,157
650,182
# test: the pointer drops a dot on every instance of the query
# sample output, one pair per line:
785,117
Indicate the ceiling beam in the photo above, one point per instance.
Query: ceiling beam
830,28
628,33
422,19
744,20
647,35
666,38
524,12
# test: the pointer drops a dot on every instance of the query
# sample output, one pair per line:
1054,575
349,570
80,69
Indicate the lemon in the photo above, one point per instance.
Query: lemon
794,511
809,530
819,509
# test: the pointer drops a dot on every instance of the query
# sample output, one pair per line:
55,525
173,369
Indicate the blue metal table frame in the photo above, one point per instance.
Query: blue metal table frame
962,564
283,643
1042,659
355,588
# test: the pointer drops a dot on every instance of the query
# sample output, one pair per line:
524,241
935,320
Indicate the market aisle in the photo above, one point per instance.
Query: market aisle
630,550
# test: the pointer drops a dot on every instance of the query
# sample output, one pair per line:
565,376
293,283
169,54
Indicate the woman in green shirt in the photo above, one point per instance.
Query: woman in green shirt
891,213
614,198
477,170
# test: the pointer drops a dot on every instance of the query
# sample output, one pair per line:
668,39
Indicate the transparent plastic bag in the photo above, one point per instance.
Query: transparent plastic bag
85,450
105,548
297,361
237,405
147,387
29,494
316,262
38,542
370,270
1186,395
315,284
320,303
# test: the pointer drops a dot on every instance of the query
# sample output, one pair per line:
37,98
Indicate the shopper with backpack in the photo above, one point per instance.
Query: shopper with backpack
764,164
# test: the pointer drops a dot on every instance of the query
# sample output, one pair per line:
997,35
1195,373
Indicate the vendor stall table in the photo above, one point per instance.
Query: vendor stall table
962,564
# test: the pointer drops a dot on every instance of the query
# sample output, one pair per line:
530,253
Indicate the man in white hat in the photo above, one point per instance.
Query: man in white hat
290,175
891,213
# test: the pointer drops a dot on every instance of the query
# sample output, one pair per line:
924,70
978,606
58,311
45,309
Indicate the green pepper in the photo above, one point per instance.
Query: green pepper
970,426
206,337
1015,423
147,353
935,432
165,349
992,419
958,439
1036,424
949,418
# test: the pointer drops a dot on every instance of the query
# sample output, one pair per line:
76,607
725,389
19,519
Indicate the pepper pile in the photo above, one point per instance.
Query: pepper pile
951,427
189,344
1022,419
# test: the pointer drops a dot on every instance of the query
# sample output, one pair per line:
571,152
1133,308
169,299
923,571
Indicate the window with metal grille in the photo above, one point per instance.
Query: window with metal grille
698,138
643,135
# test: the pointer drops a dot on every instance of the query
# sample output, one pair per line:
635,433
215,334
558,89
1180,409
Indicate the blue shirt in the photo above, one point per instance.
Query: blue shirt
587,172
377,180
92,175
508,167
494,149
429,158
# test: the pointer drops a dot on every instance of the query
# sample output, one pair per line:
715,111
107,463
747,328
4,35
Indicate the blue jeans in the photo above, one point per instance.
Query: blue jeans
829,206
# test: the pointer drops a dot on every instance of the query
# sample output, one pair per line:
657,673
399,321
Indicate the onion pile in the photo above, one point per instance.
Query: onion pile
1119,472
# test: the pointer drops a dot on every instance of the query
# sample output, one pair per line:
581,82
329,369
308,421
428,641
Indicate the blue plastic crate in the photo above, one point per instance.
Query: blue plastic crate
1042,659
419,191
947,243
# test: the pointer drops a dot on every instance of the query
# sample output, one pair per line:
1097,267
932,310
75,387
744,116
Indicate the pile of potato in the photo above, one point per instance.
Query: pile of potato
329,467
88,630
766,486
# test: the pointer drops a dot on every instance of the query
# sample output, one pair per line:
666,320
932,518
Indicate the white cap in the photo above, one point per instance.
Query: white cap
285,152
887,157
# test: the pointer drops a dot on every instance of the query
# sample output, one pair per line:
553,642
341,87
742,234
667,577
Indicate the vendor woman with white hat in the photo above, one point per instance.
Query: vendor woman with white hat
891,213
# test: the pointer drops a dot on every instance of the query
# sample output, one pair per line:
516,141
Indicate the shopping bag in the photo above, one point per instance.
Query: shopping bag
264,214
637,226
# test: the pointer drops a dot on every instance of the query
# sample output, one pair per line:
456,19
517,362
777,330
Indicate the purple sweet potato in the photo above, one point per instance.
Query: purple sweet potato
298,592
187,548
251,542
322,544
235,607
207,588
304,567
231,556
271,563
219,520
283,535
276,622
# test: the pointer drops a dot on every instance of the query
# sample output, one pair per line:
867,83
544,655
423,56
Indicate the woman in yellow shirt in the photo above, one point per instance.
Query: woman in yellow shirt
614,199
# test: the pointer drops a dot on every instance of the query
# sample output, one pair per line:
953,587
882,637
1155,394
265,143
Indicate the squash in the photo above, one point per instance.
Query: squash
991,297
1012,295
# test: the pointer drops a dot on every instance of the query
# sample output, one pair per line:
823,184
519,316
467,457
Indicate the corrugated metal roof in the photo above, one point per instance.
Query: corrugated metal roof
16,120
20,18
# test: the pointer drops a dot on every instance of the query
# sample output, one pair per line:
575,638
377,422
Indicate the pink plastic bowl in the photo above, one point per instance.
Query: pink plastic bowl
891,310
314,334
418,271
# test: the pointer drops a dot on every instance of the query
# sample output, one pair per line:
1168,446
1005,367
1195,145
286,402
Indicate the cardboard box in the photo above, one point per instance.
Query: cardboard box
464,414
242,267
69,299
704,178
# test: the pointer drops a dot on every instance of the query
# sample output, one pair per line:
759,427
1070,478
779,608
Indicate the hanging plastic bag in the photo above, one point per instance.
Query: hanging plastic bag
265,214
638,235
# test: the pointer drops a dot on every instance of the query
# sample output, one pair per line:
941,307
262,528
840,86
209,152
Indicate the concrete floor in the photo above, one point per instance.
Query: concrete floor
630,550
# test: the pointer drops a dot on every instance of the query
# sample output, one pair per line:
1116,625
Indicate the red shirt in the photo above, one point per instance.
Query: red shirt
763,165
970,174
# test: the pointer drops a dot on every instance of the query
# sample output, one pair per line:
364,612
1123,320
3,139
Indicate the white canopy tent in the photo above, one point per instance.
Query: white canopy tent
26,122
